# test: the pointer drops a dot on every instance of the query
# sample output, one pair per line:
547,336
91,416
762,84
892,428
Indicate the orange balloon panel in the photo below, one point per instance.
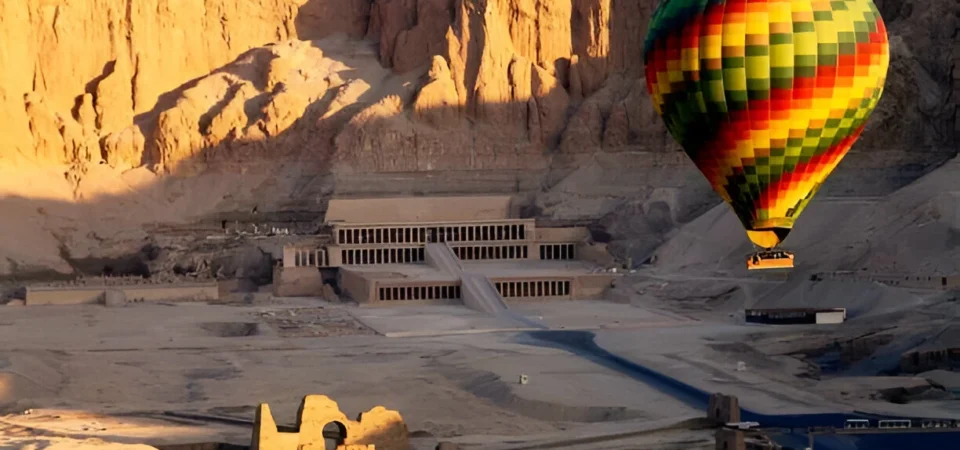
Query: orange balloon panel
766,96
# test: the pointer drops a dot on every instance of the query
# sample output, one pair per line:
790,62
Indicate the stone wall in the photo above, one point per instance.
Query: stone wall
594,286
419,209
564,235
916,281
135,293
358,287
297,282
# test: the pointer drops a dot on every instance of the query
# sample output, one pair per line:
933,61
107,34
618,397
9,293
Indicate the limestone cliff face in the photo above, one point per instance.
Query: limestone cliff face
124,53
480,84
921,104
118,82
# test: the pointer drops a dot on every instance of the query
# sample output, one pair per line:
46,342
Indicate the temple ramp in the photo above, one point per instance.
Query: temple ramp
476,290
480,294
441,257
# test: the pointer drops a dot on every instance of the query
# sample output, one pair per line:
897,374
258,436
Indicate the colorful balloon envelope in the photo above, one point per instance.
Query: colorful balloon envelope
766,96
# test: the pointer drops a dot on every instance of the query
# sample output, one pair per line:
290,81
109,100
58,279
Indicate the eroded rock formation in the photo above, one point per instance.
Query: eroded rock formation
544,95
525,75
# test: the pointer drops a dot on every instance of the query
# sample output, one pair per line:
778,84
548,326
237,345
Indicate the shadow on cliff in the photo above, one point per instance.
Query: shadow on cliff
253,67
378,145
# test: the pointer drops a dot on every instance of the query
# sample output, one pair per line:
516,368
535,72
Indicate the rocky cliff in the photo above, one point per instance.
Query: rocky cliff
115,79
169,110
125,80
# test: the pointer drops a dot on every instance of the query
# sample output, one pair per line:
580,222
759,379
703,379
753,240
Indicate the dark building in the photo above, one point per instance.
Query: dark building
796,316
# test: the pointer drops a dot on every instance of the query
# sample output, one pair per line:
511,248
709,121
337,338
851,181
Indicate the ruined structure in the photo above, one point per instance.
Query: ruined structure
727,439
723,408
321,423
940,352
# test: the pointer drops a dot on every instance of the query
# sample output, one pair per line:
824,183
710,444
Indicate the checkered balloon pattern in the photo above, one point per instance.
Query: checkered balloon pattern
766,96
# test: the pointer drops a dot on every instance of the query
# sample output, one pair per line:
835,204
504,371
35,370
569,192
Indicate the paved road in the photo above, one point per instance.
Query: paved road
582,343
906,440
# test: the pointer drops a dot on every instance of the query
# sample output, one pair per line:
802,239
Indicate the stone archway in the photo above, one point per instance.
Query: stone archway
334,435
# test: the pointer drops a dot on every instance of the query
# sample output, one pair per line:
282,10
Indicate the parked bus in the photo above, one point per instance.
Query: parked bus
856,424
895,424
743,425
936,424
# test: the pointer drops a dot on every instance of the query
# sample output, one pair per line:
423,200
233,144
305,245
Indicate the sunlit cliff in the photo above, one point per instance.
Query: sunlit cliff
120,113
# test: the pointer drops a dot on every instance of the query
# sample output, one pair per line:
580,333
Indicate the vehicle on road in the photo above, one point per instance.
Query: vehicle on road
854,424
938,424
895,423
743,425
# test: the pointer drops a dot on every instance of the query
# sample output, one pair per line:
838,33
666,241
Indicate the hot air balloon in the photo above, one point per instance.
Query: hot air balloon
766,97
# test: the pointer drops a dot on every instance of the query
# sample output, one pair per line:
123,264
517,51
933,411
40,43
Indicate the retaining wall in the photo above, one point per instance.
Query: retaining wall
355,285
562,235
81,295
420,209
593,286
297,282
937,282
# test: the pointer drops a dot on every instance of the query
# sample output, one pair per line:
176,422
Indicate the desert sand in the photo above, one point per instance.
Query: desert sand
139,361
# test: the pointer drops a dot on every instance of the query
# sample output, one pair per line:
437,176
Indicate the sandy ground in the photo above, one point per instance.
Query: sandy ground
913,230
885,321
92,372
139,361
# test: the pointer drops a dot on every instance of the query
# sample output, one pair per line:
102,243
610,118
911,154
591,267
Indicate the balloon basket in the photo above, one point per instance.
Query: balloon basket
770,259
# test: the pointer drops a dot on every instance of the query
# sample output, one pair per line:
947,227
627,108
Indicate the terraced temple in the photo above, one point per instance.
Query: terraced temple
424,253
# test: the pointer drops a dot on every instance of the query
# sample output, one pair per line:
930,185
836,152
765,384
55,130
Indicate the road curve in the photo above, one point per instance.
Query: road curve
582,343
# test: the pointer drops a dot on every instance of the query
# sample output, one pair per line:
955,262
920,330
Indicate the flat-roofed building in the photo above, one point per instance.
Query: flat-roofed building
796,316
